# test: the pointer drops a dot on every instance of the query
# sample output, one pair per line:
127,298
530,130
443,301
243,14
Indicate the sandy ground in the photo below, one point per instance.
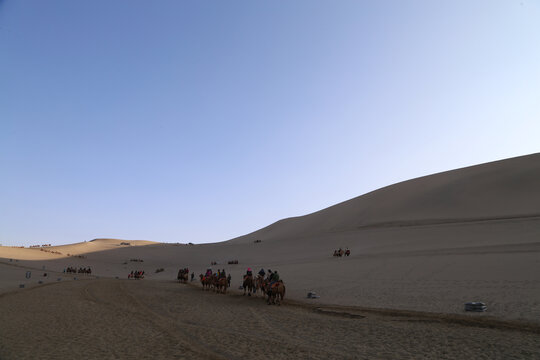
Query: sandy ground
121,319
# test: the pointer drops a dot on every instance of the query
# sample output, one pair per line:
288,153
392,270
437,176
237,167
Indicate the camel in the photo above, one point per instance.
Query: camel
221,285
182,276
276,293
259,284
248,284
205,281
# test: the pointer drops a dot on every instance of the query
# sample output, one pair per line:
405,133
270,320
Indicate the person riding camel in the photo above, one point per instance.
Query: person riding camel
274,278
261,272
208,272
223,274
269,275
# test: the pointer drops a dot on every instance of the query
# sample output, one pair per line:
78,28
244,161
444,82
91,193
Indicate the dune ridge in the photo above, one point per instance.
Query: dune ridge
499,190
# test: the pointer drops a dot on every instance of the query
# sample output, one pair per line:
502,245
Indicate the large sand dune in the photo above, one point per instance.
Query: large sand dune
499,190
428,244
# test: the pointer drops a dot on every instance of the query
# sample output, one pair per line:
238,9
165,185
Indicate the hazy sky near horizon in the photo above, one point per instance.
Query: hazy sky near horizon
200,121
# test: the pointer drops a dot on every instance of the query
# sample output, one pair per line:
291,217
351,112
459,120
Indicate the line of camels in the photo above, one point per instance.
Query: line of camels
260,285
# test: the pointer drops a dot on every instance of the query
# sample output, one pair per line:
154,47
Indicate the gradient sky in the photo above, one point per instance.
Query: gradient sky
200,121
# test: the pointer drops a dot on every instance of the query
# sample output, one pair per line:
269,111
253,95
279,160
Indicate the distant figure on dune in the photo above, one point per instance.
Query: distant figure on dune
339,253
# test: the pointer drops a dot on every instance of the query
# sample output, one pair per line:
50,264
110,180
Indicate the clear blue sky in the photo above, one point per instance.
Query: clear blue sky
200,121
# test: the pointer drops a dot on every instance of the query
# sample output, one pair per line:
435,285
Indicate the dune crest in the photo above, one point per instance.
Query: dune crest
505,189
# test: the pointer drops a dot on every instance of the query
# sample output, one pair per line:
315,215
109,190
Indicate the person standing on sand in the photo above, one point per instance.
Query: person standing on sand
229,280
192,276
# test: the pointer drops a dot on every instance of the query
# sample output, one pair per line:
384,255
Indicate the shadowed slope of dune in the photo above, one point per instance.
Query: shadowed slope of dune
506,189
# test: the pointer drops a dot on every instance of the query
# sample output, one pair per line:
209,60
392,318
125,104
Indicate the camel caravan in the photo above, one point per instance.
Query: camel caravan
81,270
218,282
268,285
340,252
136,274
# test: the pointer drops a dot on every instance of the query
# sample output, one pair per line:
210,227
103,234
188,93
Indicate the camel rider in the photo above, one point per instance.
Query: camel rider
261,272
274,278
208,272
269,276
223,274
249,272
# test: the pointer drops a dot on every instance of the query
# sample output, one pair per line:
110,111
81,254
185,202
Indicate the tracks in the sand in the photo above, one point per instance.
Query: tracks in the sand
111,318
124,301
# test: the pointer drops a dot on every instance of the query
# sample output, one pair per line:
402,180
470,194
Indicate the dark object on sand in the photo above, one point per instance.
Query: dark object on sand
312,295
21,285
475,306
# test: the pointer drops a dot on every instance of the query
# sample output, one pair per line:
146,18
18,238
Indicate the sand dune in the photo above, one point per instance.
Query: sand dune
429,245
505,189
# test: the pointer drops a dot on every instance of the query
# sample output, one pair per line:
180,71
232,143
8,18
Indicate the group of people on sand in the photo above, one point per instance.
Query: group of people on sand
183,275
218,281
81,270
219,274
268,283
340,252
136,274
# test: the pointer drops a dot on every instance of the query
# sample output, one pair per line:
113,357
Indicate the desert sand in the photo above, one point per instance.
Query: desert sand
420,249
